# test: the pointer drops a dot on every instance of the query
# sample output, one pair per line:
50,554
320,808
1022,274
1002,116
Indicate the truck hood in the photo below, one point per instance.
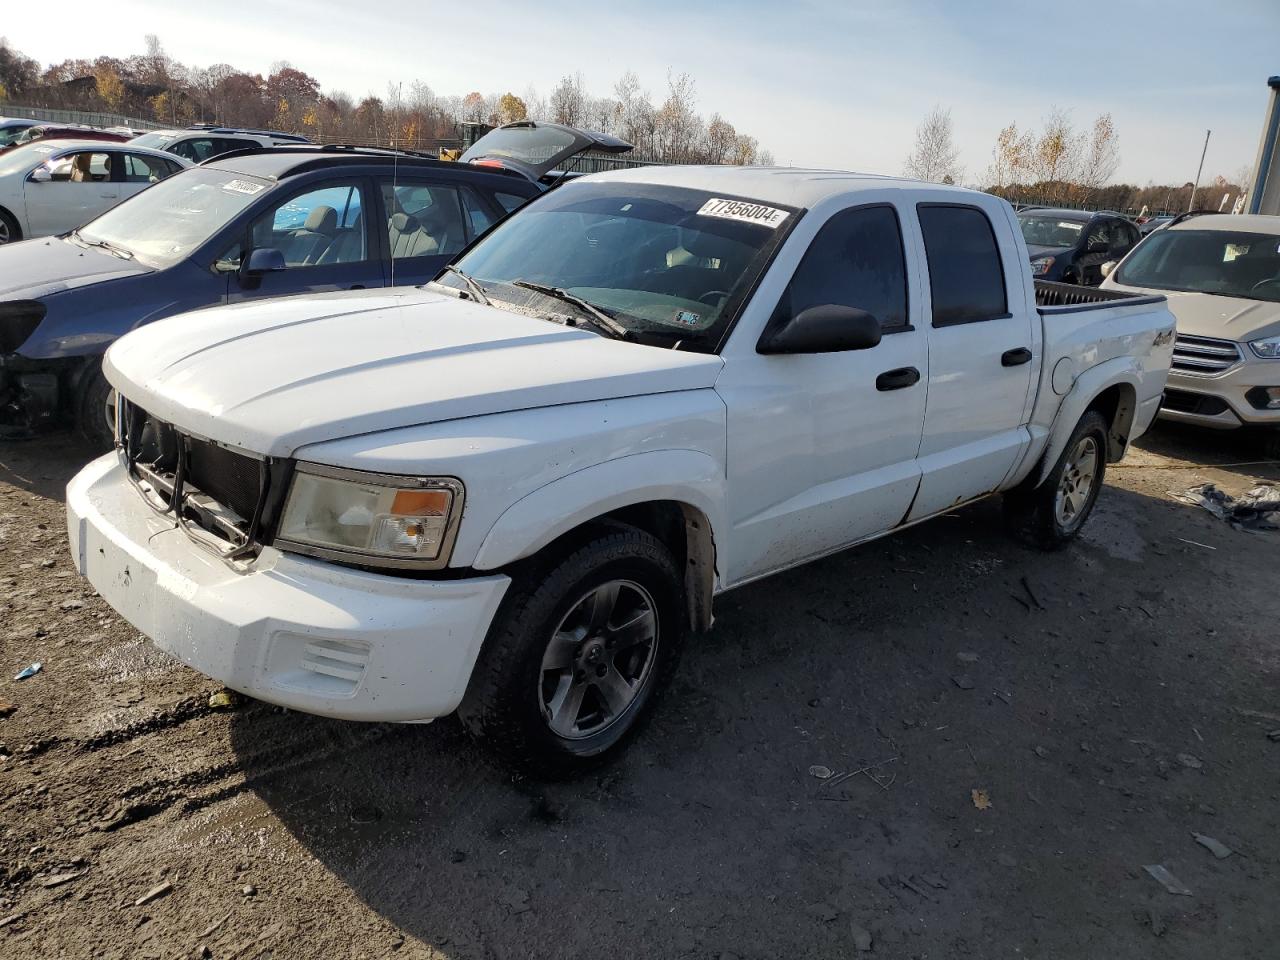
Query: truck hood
1227,318
32,269
273,376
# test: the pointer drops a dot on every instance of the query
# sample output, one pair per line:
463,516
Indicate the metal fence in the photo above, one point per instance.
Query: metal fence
77,116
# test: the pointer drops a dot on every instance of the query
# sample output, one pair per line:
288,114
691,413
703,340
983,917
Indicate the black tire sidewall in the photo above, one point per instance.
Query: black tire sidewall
90,418
15,231
503,703
1091,423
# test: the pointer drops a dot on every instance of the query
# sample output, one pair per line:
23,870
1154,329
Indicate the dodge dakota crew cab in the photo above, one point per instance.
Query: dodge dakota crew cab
514,491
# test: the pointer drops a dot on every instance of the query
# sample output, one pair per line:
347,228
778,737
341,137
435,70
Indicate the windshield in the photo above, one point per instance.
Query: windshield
1050,231
25,157
657,259
165,223
156,141
1228,263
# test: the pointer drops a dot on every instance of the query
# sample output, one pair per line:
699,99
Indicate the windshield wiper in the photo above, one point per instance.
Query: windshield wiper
106,245
477,291
595,315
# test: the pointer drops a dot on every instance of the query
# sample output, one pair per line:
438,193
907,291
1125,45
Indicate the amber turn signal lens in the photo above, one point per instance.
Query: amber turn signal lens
421,503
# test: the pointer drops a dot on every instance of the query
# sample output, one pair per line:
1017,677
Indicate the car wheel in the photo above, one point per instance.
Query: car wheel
96,412
10,232
1051,515
578,653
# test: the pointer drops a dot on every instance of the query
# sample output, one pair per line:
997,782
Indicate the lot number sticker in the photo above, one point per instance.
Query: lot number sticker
770,217
242,186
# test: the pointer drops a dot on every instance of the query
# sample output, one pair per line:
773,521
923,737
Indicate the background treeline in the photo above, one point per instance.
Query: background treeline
1061,165
153,86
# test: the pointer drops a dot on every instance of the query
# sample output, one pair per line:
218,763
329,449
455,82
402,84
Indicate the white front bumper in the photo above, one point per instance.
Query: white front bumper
306,634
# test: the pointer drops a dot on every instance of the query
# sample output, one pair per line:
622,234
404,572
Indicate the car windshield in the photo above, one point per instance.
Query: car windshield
164,223
658,260
156,141
1228,263
1041,231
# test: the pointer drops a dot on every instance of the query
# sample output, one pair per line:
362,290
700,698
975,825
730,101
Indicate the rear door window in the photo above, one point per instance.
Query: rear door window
966,275
856,260
424,219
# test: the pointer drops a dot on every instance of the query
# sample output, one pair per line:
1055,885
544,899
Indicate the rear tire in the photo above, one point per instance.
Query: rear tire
95,411
578,653
10,232
1271,445
1051,515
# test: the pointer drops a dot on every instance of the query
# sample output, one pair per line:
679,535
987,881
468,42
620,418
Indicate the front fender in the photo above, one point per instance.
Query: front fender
1123,371
529,524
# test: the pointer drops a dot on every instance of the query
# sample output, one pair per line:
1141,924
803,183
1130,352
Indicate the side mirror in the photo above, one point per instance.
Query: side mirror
40,174
1107,267
828,328
263,260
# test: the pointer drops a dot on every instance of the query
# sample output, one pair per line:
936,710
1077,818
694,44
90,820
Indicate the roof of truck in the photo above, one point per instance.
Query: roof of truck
1246,223
789,185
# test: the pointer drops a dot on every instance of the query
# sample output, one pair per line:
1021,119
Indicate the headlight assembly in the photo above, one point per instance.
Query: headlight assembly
1041,265
1268,349
371,519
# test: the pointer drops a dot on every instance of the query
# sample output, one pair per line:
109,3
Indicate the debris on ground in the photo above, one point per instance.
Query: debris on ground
249,890
58,879
819,771
861,938
364,813
1255,510
30,671
155,893
1218,849
967,657
981,799
1167,880
1273,735
1042,753
1151,917
1189,760
223,699
963,681
6,708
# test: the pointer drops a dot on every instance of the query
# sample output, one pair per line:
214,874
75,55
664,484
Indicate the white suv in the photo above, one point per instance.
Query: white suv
1221,274
205,142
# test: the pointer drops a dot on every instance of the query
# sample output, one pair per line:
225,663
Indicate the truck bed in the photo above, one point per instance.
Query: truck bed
1052,297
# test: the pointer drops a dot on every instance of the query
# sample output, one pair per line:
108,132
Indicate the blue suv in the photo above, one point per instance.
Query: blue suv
246,225
261,224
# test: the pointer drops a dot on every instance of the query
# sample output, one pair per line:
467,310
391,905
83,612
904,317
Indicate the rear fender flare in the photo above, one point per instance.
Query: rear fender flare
1126,371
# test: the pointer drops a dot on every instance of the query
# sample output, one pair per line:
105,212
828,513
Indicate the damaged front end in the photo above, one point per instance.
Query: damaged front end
28,388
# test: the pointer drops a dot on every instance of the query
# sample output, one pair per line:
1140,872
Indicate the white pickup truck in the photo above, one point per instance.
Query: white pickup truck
513,492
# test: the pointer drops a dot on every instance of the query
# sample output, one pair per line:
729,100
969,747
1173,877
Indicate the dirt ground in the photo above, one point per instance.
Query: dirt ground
1107,702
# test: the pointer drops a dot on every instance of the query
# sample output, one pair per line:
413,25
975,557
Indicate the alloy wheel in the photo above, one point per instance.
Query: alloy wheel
1079,477
598,659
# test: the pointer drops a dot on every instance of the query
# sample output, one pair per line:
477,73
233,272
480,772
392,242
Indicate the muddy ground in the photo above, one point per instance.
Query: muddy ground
1108,701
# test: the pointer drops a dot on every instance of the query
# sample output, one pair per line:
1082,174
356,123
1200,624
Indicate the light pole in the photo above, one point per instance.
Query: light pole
1199,170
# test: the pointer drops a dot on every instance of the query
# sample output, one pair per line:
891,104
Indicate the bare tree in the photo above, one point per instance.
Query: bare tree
1101,157
676,126
935,158
568,101
720,140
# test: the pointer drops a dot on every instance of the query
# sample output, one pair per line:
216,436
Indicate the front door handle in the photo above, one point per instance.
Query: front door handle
897,379
1015,357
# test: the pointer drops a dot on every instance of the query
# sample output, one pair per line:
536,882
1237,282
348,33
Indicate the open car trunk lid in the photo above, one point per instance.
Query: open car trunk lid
535,149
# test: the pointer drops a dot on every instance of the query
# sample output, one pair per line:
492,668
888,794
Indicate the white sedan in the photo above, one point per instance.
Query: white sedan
53,186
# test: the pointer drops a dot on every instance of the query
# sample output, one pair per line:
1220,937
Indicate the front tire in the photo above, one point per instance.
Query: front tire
10,232
1051,515
578,653
95,412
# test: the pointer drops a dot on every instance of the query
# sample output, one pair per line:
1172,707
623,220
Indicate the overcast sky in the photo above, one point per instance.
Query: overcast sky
819,82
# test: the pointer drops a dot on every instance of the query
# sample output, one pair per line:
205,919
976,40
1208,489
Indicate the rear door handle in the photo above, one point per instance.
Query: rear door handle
1015,357
897,379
